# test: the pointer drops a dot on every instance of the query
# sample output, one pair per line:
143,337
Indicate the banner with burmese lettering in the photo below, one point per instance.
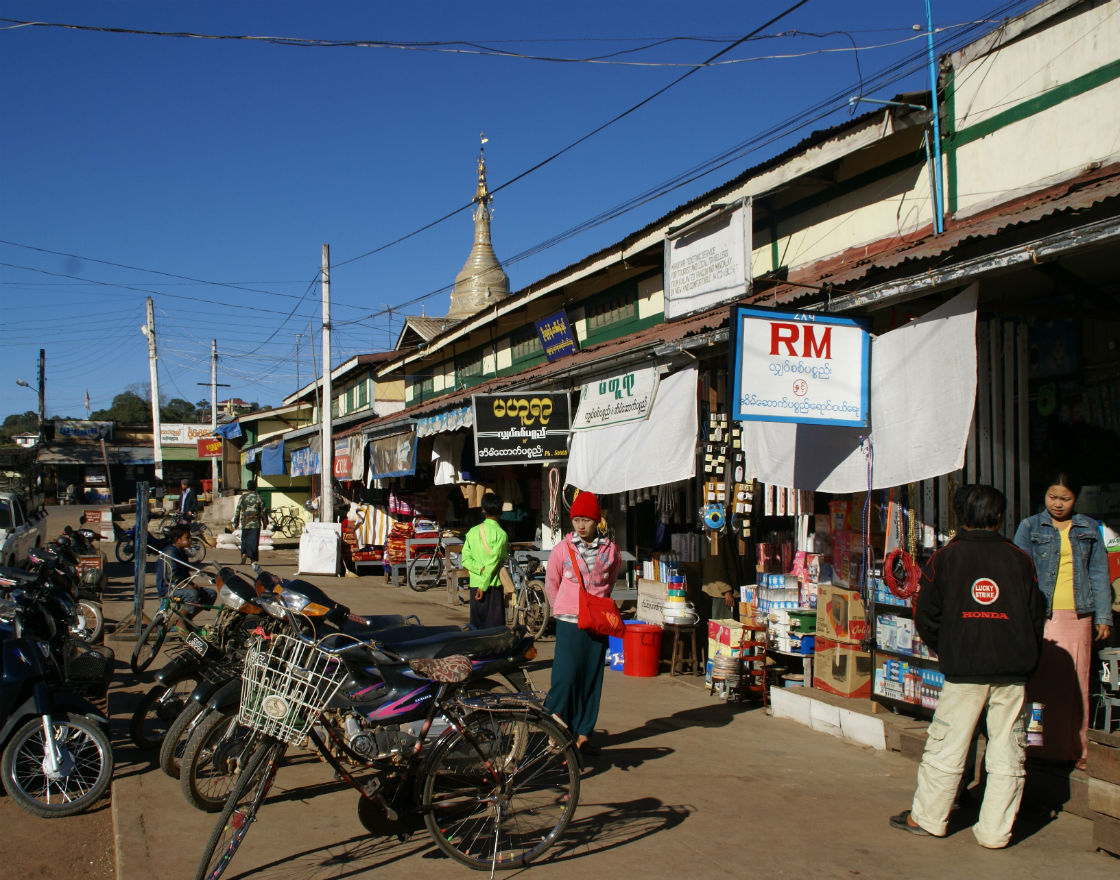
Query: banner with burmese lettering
523,427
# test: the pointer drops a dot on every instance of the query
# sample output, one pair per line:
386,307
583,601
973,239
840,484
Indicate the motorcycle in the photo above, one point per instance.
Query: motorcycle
125,547
58,564
57,759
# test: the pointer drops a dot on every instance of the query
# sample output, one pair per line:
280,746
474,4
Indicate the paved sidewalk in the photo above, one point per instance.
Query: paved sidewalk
686,786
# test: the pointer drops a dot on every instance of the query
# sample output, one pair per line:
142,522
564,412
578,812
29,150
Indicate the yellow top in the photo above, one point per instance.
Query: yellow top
1063,586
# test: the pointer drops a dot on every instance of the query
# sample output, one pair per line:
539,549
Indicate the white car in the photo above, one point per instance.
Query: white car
18,532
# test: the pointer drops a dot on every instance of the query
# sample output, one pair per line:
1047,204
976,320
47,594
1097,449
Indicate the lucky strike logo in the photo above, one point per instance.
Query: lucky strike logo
985,591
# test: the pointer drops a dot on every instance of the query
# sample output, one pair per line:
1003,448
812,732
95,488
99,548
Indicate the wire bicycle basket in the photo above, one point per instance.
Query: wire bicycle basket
285,685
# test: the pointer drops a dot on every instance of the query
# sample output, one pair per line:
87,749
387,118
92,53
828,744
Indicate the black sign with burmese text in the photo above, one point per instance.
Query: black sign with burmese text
524,427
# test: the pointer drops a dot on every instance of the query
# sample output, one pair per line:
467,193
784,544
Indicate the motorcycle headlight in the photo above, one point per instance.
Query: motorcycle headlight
299,603
234,602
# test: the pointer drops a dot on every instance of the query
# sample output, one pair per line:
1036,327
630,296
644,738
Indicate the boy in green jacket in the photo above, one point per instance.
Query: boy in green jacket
484,553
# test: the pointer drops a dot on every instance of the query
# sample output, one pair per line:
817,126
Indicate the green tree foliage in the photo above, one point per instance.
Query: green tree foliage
179,410
128,407
21,423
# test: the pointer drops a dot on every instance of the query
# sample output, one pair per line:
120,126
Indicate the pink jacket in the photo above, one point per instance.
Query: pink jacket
562,586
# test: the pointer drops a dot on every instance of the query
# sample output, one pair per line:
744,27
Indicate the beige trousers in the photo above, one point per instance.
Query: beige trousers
947,742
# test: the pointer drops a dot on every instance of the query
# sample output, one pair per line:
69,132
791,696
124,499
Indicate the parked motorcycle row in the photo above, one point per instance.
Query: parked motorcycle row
57,759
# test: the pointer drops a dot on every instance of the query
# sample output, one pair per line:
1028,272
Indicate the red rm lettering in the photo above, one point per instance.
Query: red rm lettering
823,349
783,334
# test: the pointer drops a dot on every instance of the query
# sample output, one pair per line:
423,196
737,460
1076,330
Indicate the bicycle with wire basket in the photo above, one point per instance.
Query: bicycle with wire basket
529,607
493,778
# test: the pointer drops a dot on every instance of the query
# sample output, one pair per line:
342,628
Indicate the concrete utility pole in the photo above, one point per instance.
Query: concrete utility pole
326,454
214,414
150,331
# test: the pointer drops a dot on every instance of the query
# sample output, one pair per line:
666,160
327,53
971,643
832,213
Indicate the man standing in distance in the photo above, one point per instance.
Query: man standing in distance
981,611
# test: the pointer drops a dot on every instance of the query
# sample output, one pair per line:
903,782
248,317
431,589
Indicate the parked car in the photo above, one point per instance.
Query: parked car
18,532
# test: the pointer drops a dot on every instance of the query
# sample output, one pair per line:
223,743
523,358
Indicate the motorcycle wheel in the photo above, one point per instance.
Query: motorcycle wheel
175,740
90,621
157,711
241,810
125,550
86,767
213,759
151,640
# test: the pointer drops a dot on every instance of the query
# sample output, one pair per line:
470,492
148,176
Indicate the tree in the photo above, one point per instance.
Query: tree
179,410
128,407
20,423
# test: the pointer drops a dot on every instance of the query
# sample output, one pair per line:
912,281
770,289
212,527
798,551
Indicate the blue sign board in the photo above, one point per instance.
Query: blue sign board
557,338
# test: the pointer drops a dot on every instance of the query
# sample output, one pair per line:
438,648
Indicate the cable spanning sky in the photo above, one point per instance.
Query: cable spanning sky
202,152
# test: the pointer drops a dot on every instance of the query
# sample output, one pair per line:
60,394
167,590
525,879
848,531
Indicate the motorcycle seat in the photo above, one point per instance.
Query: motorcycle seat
473,642
17,577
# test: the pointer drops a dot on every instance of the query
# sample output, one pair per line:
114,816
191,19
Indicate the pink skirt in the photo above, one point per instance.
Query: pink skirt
1061,684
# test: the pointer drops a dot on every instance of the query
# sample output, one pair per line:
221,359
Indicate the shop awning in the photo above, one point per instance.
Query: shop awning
71,453
636,455
448,420
230,431
392,456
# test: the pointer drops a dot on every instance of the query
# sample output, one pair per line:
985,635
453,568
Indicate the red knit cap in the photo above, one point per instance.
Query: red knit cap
586,504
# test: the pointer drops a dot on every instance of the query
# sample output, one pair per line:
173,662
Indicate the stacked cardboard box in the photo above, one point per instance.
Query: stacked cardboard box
840,666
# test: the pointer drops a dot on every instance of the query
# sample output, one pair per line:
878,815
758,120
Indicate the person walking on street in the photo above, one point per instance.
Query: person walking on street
1071,562
584,559
249,516
979,608
188,501
484,553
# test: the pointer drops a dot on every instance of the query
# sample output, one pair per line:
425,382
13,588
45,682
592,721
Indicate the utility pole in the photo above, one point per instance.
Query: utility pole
150,331
326,454
298,337
42,391
214,414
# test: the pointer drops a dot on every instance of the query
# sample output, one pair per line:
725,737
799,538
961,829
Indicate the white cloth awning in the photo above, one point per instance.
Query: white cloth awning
923,389
660,450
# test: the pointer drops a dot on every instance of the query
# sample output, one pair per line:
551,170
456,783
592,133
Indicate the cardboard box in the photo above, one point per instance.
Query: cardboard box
841,669
841,614
652,596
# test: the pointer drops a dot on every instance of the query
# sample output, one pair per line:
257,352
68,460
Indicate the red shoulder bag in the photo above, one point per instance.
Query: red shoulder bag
597,614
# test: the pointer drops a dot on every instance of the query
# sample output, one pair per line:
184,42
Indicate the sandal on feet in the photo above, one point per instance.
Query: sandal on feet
901,822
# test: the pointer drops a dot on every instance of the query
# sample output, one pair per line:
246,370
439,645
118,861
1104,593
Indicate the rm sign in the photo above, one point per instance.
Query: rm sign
799,367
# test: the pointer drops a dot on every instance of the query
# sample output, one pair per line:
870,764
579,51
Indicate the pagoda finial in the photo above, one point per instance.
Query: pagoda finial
482,194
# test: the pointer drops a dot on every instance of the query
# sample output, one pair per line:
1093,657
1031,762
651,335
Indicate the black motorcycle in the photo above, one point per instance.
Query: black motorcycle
57,759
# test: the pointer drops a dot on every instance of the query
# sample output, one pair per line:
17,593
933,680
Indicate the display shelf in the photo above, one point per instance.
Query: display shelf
890,692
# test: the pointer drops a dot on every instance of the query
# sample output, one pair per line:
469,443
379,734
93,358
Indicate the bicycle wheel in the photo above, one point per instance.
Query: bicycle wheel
425,571
176,739
157,711
151,640
532,609
197,551
507,801
85,758
241,810
292,525
90,621
213,759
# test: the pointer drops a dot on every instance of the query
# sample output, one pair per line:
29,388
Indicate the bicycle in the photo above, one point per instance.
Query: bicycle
288,520
170,616
496,788
426,568
530,608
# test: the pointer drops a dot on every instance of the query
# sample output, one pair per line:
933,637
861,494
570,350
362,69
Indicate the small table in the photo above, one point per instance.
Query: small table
684,643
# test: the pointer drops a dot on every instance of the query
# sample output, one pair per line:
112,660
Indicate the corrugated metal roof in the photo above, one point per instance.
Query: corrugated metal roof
847,269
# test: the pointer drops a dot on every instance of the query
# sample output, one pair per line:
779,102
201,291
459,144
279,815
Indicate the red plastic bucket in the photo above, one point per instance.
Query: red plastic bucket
641,650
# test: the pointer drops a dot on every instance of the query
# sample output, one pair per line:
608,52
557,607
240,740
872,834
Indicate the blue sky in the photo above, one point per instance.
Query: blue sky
226,164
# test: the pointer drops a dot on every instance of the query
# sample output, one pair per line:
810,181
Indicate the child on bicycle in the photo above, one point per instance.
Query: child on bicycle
176,571
484,553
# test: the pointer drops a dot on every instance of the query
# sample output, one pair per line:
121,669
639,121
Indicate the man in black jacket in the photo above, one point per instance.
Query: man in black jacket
981,611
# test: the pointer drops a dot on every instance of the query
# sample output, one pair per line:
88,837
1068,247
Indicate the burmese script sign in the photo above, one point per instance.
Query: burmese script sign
625,398
524,427
557,338
209,447
799,367
708,263
176,434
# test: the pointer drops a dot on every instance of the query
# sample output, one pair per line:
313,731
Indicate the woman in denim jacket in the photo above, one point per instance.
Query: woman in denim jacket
1072,567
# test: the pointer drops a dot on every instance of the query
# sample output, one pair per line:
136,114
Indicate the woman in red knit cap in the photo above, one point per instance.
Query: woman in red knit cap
583,560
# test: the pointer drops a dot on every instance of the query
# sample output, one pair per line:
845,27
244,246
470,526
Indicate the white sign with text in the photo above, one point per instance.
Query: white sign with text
708,264
617,400
799,367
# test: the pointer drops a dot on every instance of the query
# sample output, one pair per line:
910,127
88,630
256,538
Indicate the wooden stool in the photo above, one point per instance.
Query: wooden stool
684,643
754,683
